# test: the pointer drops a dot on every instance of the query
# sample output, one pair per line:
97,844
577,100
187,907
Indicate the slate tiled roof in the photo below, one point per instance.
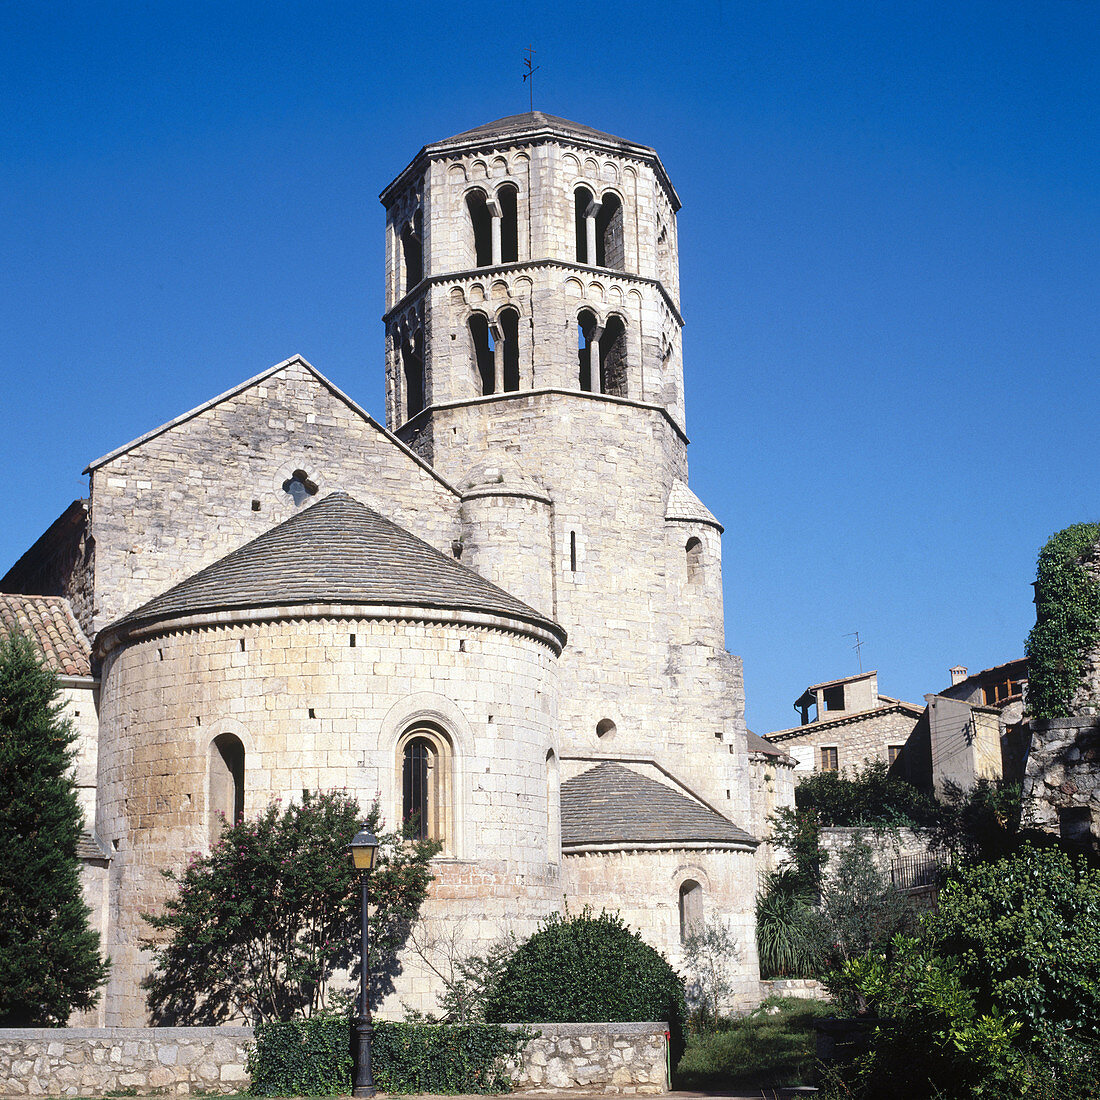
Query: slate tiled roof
758,744
683,504
48,621
337,551
533,120
613,804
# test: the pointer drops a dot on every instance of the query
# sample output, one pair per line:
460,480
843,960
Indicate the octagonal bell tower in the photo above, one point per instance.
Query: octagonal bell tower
533,357
531,254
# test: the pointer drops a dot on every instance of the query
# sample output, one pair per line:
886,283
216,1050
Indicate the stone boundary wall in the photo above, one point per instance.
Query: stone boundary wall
77,1061
810,988
631,1059
625,1058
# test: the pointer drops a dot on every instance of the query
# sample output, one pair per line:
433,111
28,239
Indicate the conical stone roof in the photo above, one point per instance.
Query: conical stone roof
337,551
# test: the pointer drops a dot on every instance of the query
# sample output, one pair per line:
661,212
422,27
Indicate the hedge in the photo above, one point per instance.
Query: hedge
313,1057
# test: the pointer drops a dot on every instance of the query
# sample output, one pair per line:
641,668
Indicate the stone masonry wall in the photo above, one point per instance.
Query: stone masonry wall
855,740
608,1058
1062,783
181,500
97,1061
315,711
644,886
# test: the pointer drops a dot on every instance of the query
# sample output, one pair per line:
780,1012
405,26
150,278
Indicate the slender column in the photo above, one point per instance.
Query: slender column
594,368
590,234
495,227
498,351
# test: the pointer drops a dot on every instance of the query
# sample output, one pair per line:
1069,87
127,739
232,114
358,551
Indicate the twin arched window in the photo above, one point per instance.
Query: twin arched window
599,229
496,351
494,225
601,354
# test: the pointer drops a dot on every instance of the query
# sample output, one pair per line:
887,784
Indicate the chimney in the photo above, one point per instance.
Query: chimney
958,674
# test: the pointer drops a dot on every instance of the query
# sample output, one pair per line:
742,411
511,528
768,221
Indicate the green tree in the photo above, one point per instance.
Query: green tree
49,958
259,926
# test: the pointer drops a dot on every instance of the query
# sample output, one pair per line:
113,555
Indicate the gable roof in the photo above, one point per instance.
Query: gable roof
49,622
848,717
293,361
337,551
614,805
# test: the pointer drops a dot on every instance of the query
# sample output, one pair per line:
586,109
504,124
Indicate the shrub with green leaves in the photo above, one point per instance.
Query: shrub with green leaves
587,969
49,956
259,926
313,1057
935,1039
1067,620
785,926
1025,931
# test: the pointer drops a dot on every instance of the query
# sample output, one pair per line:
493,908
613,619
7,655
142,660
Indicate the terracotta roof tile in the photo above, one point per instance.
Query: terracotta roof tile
49,622
612,804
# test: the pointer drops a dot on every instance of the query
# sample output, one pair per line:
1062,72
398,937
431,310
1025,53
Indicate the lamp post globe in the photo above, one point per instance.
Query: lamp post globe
364,849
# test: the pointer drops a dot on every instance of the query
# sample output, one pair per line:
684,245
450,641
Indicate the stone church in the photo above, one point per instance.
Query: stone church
500,613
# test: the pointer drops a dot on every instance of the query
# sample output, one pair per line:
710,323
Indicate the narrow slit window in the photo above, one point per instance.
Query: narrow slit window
573,551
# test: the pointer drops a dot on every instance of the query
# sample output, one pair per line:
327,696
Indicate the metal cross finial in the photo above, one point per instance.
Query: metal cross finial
529,75
857,647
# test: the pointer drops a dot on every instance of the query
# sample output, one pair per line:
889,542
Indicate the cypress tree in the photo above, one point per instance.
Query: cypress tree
49,957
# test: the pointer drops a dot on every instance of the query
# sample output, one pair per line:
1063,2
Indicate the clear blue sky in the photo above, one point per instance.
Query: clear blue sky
888,253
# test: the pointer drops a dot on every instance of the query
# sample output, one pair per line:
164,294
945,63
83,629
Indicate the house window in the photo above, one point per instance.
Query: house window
226,802
829,759
892,753
691,909
834,697
424,755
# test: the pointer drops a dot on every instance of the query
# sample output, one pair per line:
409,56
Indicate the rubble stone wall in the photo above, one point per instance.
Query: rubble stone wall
607,1058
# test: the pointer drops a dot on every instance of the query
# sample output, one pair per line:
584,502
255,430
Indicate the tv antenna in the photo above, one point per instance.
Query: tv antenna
857,647
529,74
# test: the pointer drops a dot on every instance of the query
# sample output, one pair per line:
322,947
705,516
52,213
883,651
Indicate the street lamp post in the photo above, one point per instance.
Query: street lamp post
364,847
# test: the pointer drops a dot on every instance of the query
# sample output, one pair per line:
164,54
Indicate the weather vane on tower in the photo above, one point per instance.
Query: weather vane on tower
529,74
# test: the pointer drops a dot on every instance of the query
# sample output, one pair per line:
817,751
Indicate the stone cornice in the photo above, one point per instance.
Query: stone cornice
512,395
113,637
521,266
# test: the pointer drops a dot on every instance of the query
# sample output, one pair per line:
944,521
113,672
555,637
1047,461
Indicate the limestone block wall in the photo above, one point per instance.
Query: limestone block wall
622,1058
771,787
313,710
128,1061
188,496
887,845
643,886
79,696
620,581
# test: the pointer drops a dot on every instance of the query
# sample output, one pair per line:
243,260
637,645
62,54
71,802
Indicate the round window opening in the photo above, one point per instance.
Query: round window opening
605,729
